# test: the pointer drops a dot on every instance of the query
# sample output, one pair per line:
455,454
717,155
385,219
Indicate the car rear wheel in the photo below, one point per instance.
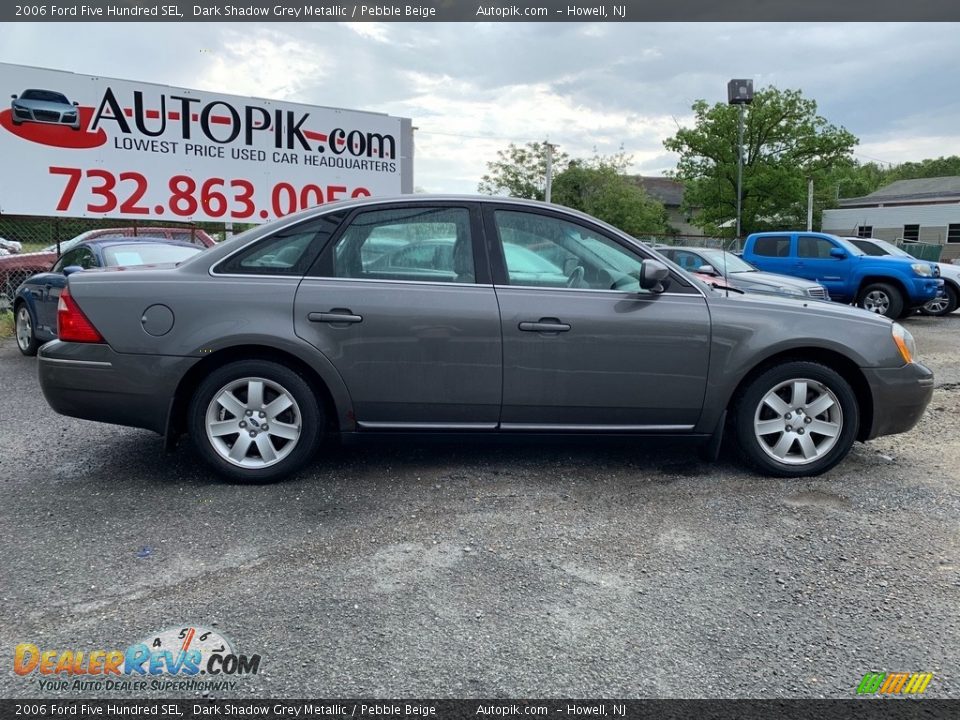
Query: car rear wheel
797,419
942,305
255,421
882,299
26,338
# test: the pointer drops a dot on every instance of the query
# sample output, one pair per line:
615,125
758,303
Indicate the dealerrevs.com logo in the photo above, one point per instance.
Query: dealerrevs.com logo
184,658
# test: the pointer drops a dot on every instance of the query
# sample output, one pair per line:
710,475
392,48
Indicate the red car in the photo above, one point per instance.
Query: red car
14,269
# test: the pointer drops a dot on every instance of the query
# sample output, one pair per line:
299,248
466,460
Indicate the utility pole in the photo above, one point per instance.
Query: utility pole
739,170
549,181
809,204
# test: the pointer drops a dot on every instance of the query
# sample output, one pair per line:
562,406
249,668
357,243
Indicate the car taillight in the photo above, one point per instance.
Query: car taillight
72,324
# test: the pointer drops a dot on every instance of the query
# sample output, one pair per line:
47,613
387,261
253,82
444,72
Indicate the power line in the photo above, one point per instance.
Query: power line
479,137
868,157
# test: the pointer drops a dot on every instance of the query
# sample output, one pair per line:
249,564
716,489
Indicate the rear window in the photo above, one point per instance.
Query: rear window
146,253
772,246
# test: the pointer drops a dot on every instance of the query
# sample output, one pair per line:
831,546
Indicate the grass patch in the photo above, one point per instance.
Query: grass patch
6,324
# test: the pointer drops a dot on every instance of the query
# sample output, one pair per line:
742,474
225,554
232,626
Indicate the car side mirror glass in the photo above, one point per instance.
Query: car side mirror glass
653,276
838,253
76,103
70,269
14,97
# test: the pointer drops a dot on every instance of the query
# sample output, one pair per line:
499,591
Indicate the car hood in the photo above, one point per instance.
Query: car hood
27,260
770,280
44,105
949,270
786,303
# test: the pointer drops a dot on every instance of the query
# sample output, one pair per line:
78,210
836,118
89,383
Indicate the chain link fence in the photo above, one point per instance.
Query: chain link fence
696,241
42,240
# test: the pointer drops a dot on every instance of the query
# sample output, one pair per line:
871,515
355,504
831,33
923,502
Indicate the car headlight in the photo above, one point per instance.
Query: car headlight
922,269
791,291
904,342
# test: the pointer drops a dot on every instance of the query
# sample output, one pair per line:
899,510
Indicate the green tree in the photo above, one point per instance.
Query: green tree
600,188
785,143
939,167
521,171
855,179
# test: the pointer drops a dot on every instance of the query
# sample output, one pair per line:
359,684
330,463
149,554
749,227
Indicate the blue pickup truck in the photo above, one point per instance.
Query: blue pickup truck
891,286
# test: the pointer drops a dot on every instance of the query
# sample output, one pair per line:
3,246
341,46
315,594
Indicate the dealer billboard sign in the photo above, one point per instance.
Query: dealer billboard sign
77,145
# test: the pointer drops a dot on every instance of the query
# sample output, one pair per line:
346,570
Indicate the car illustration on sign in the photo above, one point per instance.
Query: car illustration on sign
47,107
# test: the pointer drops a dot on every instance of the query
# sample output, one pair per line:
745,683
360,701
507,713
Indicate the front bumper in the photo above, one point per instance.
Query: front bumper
92,382
925,289
900,395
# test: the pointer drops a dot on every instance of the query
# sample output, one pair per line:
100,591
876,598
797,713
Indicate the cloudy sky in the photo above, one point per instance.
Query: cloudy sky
473,88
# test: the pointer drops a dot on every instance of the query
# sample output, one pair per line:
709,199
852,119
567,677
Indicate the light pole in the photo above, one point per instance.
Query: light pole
548,185
739,92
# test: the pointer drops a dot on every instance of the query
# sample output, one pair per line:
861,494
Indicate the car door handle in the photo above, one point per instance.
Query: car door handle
545,325
337,315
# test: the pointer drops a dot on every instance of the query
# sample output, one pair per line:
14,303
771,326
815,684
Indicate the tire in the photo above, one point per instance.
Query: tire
770,403
942,306
23,329
223,403
882,299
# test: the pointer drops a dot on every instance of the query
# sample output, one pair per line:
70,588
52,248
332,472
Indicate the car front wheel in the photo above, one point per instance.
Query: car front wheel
26,338
255,421
942,305
882,299
797,419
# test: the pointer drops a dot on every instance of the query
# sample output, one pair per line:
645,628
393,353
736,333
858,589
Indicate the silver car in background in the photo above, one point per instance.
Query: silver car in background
714,261
262,345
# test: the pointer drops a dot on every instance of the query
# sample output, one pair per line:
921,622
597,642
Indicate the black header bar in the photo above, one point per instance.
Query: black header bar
480,11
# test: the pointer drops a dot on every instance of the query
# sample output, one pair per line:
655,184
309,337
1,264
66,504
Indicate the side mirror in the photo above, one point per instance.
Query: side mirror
838,253
652,275
71,269
708,270
14,96
76,104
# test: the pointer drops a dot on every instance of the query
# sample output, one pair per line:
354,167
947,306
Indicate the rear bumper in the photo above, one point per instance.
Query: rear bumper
900,395
93,382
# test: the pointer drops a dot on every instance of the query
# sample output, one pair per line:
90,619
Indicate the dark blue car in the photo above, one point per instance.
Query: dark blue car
36,300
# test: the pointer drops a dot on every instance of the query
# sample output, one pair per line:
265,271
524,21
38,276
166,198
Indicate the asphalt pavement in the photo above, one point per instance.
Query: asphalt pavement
615,569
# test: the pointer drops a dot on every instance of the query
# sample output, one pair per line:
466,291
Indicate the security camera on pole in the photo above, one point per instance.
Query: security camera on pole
739,92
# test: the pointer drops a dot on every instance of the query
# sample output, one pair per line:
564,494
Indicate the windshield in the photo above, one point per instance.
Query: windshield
726,261
146,253
44,96
848,246
66,244
880,247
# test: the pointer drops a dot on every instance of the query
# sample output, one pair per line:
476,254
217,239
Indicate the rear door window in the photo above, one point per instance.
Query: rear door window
772,246
412,244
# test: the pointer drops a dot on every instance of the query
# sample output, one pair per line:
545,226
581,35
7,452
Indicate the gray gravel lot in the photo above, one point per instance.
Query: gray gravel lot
575,569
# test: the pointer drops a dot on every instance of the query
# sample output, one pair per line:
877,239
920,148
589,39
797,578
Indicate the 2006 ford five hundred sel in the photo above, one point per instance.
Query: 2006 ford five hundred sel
470,315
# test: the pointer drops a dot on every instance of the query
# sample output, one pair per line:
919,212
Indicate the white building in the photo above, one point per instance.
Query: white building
925,210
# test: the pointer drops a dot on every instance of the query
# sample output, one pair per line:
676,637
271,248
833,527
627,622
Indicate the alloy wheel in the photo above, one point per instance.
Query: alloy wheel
253,422
24,328
798,421
876,301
